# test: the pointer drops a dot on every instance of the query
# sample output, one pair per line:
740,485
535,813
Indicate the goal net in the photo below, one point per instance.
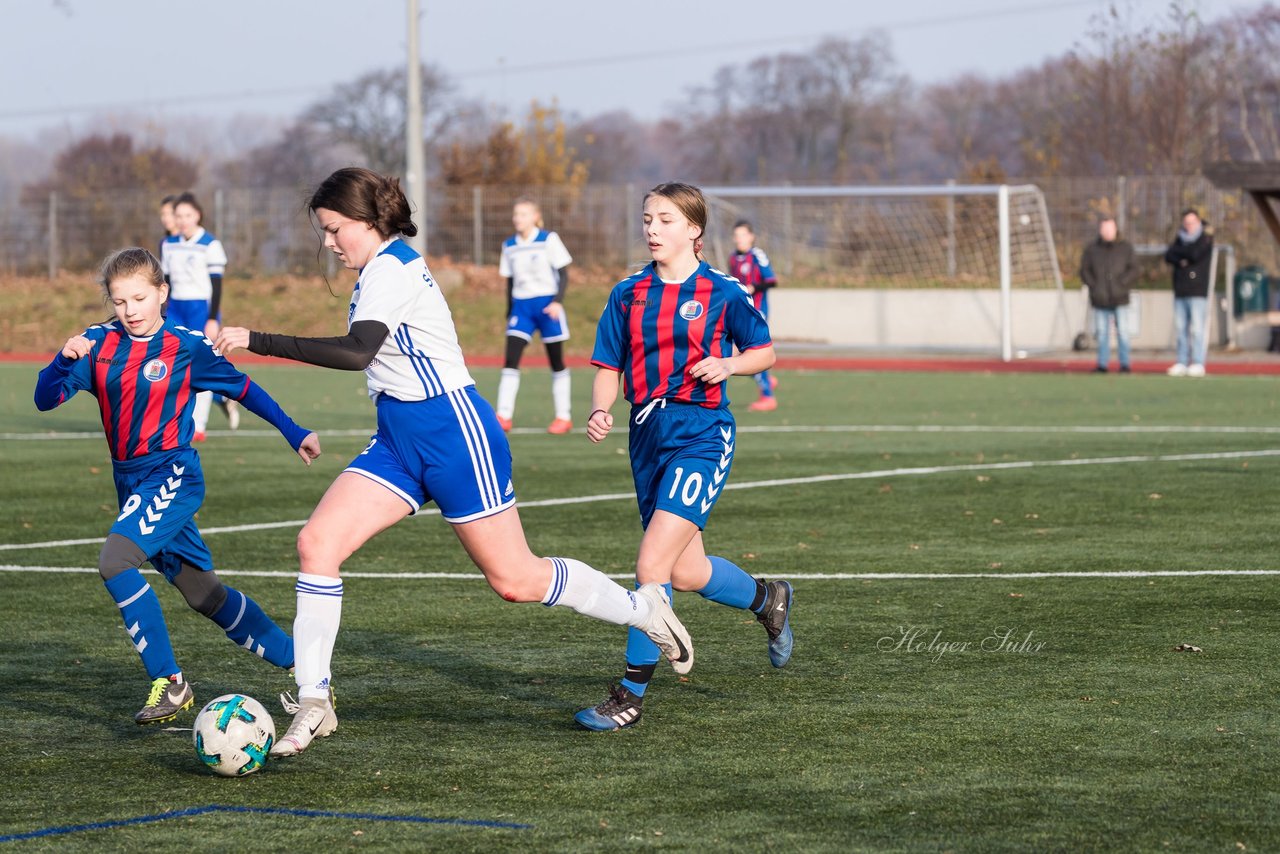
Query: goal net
920,251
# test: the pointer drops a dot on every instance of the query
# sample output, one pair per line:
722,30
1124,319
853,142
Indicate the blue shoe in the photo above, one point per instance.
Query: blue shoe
775,616
620,709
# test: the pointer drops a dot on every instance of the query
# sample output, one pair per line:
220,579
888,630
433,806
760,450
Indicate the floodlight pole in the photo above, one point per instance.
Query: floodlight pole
415,172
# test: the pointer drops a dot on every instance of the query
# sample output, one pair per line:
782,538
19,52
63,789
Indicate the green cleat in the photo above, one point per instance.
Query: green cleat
169,696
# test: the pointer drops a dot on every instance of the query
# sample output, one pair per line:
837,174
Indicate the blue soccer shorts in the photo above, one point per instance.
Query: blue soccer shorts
191,313
527,317
680,459
448,449
159,495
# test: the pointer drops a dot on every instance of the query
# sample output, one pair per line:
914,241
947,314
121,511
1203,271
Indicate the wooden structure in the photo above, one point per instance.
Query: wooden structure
1260,179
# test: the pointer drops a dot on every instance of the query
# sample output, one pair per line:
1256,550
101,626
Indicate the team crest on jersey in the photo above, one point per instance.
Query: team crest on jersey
691,310
155,370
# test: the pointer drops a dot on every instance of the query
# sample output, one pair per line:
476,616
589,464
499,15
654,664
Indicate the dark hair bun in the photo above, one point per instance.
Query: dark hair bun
365,196
394,216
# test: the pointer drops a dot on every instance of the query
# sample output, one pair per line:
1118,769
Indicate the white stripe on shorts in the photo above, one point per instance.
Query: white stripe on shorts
478,447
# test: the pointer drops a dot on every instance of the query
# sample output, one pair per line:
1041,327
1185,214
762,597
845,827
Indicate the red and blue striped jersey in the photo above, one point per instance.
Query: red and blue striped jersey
653,332
752,268
146,387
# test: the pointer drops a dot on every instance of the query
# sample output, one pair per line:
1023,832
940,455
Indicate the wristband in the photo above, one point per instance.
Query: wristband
594,411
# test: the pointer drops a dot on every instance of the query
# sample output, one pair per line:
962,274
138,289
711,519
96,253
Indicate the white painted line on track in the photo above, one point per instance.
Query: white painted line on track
757,484
809,576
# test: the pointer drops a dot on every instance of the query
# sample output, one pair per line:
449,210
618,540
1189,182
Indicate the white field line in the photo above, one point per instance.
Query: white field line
813,576
758,484
1085,429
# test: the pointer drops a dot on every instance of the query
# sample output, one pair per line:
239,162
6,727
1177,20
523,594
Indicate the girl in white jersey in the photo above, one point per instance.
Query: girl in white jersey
536,267
194,261
437,440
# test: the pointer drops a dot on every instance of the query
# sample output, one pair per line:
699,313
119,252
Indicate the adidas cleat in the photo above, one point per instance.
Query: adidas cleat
312,718
665,629
168,697
620,709
775,616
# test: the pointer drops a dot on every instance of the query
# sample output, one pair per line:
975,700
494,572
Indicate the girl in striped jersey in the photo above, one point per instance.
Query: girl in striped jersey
669,332
437,440
145,372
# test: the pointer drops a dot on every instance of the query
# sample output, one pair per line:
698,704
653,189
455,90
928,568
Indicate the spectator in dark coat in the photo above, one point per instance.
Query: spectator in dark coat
1108,269
1190,254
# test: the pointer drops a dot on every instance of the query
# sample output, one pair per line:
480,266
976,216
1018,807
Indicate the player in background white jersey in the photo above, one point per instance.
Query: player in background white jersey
437,440
535,264
194,262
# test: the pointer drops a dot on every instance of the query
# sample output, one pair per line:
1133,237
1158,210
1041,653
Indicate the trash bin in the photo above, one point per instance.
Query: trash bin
1250,291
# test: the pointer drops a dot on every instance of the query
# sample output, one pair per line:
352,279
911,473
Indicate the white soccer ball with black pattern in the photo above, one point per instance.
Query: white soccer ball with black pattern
233,735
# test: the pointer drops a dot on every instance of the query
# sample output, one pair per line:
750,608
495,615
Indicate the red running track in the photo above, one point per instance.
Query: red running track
1254,364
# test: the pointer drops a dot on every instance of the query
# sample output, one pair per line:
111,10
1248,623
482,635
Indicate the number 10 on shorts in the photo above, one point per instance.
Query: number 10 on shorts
692,486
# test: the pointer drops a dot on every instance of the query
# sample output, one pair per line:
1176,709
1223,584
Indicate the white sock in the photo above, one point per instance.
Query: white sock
200,413
315,629
560,393
507,388
589,591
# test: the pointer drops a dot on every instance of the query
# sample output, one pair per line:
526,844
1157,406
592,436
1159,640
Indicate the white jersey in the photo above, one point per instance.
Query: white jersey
420,358
190,263
532,264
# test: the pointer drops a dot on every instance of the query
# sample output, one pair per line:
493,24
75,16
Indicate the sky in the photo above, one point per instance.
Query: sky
72,64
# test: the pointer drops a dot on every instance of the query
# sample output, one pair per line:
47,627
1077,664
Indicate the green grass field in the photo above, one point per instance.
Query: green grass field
947,691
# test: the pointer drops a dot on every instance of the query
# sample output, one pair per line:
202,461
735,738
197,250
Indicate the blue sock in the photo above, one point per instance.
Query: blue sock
248,626
144,621
642,655
730,585
765,382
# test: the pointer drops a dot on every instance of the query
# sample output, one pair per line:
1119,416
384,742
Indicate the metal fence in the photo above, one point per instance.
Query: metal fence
266,230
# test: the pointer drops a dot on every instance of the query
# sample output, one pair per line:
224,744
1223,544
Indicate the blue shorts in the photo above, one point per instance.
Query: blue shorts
159,495
680,459
447,449
191,313
527,317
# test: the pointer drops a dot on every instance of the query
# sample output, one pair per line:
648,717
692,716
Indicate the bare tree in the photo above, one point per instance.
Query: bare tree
369,114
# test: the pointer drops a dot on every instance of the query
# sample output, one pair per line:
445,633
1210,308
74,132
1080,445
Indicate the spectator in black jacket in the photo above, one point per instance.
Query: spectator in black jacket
1107,268
1189,254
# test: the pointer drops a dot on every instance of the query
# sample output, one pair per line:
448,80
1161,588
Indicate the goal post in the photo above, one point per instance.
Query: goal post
946,239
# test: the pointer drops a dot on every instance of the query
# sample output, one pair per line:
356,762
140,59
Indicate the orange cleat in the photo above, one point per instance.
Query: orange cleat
199,436
505,424
764,404
560,426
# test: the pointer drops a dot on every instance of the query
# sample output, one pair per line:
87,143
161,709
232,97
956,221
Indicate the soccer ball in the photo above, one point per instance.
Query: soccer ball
233,734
